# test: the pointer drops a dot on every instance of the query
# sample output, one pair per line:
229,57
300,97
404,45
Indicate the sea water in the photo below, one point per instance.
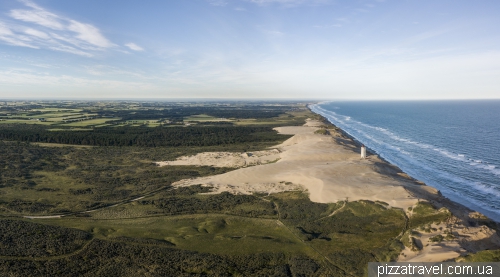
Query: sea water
453,146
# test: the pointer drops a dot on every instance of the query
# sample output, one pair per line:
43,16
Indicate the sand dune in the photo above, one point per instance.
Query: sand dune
327,170
226,159
330,169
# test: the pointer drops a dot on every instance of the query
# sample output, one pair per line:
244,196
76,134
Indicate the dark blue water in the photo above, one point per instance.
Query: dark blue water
453,146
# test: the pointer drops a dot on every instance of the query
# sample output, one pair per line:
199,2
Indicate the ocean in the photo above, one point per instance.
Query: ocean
453,146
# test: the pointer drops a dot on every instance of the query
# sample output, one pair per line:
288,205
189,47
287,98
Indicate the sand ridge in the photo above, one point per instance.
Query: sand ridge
329,171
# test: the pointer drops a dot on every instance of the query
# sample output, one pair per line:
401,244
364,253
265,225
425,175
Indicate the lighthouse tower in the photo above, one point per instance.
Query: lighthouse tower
363,152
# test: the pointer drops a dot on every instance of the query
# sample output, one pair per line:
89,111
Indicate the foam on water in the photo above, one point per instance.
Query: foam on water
468,176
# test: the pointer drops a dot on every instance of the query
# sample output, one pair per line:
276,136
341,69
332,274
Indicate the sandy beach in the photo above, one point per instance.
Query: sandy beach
329,168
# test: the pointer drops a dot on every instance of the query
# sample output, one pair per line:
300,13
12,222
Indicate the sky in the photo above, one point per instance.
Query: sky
316,49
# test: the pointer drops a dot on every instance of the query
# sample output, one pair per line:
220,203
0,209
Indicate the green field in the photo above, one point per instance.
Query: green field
218,234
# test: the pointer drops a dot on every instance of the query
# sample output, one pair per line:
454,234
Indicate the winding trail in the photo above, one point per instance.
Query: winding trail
136,198
334,212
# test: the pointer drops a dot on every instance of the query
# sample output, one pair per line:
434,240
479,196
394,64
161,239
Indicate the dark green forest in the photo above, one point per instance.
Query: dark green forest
178,113
142,136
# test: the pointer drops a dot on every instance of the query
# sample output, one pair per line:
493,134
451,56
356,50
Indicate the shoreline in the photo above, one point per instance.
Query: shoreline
329,167
463,217
398,171
453,198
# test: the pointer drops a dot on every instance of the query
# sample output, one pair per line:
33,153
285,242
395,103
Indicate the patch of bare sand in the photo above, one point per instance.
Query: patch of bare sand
431,251
226,159
458,239
329,171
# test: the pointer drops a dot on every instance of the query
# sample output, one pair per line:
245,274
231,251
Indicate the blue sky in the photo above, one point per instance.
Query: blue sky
322,49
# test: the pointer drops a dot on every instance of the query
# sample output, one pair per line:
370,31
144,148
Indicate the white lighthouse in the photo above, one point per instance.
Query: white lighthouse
363,152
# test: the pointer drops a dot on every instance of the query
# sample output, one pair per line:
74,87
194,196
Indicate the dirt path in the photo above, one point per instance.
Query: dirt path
334,212
136,198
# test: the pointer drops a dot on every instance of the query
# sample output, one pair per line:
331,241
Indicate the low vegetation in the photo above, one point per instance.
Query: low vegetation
424,214
107,258
297,235
482,256
243,205
26,239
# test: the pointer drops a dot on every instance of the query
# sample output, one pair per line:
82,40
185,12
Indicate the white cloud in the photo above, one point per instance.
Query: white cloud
36,27
36,33
8,36
75,42
89,34
134,47
38,16
5,31
69,49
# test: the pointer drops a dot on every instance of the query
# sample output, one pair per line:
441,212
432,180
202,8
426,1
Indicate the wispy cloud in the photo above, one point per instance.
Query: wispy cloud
89,34
106,71
134,46
36,33
7,35
28,77
35,27
38,16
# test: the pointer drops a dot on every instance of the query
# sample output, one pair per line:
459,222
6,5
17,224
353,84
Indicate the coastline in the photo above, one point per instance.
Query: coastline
460,169
396,171
328,166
